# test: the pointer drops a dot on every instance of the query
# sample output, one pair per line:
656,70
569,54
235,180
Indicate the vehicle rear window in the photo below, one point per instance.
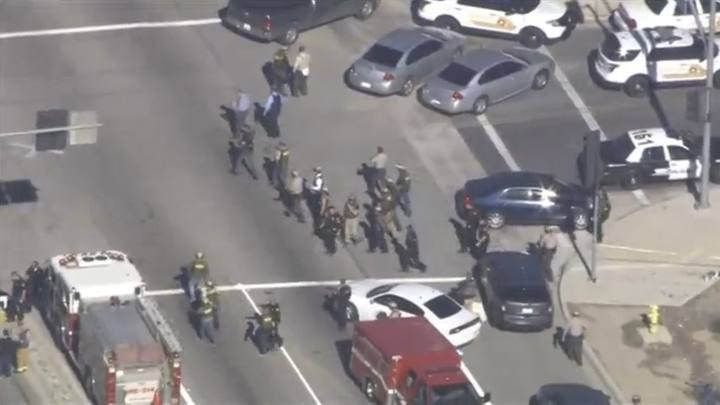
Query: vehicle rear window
526,294
383,55
612,50
656,6
442,306
618,149
458,74
454,394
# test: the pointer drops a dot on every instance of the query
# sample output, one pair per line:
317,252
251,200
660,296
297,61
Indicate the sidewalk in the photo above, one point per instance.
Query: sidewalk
657,255
49,378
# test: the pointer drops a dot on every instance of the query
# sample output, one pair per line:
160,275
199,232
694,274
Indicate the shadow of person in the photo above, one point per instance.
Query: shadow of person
658,108
267,72
365,172
344,352
557,341
402,255
183,278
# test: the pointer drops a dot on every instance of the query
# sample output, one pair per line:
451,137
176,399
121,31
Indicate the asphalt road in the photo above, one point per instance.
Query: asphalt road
157,185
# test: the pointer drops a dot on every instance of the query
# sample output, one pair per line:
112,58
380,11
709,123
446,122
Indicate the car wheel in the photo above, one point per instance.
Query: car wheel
369,389
407,88
715,174
447,23
580,221
351,313
480,105
290,37
637,86
716,80
368,9
541,80
495,220
532,37
630,182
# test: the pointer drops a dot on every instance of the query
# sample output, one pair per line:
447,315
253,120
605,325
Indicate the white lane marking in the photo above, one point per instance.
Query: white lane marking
108,27
305,284
186,396
471,378
285,353
585,113
498,142
640,250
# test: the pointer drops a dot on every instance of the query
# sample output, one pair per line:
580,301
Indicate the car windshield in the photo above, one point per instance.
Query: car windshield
536,294
656,6
380,290
442,306
612,50
458,74
618,149
383,55
454,394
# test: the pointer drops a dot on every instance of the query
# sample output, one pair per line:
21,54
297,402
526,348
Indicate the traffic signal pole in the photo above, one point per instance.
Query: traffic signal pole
707,124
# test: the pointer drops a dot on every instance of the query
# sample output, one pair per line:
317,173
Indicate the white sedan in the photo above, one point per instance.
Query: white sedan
371,299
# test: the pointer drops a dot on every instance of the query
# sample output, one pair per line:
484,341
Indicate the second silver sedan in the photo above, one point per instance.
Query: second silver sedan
483,76
402,59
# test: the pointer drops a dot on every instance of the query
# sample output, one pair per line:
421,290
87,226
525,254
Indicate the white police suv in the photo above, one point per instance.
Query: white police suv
655,154
637,14
652,57
534,22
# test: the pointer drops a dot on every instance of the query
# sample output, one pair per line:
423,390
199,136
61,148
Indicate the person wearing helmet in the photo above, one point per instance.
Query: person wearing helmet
210,294
394,311
198,274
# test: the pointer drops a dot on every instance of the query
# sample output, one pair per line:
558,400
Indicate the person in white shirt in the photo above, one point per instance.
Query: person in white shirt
301,73
240,107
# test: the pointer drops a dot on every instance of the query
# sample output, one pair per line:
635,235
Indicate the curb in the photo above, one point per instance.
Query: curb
615,391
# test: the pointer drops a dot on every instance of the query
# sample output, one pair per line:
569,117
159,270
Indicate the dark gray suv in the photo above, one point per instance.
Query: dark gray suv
514,291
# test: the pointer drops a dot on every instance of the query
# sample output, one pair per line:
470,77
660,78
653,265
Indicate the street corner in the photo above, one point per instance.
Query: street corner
665,364
669,230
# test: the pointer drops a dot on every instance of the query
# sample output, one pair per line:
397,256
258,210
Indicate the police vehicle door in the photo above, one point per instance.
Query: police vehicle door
480,14
677,64
704,11
654,162
682,164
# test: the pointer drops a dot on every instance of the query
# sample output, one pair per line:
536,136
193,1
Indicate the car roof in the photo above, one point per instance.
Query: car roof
405,38
413,336
653,136
503,180
417,293
574,394
515,269
480,59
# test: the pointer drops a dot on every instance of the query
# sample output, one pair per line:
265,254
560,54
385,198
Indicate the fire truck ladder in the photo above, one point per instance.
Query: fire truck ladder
158,326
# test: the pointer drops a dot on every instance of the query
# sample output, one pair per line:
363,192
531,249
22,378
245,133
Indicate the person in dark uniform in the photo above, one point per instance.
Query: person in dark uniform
481,242
212,295
281,71
412,247
376,238
281,166
267,333
205,320
271,114
342,301
247,150
573,338
330,229
402,186
472,222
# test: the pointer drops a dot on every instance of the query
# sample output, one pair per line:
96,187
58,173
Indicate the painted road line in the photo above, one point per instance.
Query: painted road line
498,142
585,113
187,399
640,250
306,284
285,353
108,27
471,378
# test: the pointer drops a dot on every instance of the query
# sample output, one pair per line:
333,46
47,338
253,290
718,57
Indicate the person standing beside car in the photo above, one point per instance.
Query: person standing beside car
301,73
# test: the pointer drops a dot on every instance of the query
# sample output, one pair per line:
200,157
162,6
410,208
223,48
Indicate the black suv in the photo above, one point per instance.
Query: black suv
569,394
283,20
514,291
526,198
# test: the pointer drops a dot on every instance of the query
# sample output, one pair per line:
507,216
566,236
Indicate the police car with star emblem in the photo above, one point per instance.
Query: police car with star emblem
641,60
533,22
654,154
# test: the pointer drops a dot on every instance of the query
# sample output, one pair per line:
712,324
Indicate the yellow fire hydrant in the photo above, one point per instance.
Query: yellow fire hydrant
653,319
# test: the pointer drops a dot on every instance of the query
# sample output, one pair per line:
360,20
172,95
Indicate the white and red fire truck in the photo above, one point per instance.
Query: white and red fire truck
121,346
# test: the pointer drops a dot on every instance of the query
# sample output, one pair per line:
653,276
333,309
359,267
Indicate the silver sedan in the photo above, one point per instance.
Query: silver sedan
404,58
483,76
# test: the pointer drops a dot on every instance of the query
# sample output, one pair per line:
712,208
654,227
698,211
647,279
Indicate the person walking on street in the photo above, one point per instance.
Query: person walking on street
573,337
469,231
234,146
199,271
402,185
205,314
548,246
351,215
377,230
271,114
35,277
7,346
330,229
324,203
314,194
388,201
295,196
342,302
482,241
17,297
240,109
389,223
377,170
413,249
23,351
247,150
301,72
280,71
281,165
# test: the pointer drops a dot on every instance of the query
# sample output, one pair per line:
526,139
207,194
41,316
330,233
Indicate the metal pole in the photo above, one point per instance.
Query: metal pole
593,254
46,130
704,201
